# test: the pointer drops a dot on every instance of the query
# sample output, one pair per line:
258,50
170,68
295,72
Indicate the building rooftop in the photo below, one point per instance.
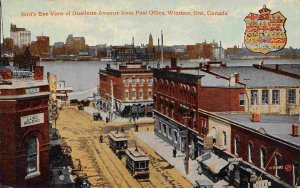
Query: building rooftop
279,126
290,68
254,77
210,80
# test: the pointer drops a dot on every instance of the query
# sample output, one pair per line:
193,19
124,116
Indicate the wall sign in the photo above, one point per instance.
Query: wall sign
32,90
32,119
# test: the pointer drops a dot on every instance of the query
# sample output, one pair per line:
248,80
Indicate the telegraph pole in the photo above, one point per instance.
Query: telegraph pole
187,144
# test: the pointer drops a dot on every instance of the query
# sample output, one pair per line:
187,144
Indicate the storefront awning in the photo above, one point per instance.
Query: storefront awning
212,162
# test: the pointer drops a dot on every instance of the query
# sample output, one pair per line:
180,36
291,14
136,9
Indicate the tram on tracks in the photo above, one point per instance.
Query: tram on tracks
118,142
137,163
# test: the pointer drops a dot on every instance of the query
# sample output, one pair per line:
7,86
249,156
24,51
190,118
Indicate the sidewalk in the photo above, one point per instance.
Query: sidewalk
164,149
91,110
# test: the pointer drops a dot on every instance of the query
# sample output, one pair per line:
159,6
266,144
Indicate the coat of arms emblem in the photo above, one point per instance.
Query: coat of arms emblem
265,32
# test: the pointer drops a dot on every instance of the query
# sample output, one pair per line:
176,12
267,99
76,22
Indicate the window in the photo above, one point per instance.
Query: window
172,110
236,145
265,97
149,94
32,156
224,138
150,80
175,136
133,81
242,99
250,151
126,94
275,97
278,165
127,82
133,94
141,81
159,126
165,129
170,132
296,174
141,94
254,97
292,96
262,155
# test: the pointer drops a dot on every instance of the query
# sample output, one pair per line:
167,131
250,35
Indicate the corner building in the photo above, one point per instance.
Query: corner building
24,129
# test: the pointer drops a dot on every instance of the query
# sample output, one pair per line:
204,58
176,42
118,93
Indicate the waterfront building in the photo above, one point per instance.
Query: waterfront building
266,92
8,44
127,89
75,44
24,135
40,47
21,36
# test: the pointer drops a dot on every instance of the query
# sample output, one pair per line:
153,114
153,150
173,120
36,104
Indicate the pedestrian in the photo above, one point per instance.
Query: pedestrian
122,129
107,120
174,152
101,139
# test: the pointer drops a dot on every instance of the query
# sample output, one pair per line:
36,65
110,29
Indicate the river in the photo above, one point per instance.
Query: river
83,76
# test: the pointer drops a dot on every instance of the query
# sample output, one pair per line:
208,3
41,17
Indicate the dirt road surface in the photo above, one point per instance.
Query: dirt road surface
102,166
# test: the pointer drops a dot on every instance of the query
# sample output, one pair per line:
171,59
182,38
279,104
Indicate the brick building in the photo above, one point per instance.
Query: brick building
41,46
214,103
179,93
24,135
131,85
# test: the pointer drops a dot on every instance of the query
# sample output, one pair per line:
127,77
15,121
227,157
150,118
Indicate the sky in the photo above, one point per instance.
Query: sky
119,30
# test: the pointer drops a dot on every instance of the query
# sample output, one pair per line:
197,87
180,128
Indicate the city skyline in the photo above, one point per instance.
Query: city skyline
119,30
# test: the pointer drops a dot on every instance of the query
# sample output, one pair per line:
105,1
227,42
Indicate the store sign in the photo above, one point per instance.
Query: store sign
32,90
262,184
208,142
32,120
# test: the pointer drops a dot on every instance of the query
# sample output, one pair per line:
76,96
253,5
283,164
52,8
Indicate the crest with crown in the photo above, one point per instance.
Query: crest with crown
265,32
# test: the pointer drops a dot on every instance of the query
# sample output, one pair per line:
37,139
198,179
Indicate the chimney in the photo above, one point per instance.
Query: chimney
277,67
200,65
6,74
38,72
255,117
173,62
237,77
295,130
208,67
108,66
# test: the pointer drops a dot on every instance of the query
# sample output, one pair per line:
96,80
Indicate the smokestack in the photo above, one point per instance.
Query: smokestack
173,62
133,41
38,72
237,77
295,130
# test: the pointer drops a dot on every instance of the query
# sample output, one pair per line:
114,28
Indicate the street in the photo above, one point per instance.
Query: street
103,167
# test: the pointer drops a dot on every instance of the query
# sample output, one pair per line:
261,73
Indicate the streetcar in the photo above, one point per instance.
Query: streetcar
117,142
137,163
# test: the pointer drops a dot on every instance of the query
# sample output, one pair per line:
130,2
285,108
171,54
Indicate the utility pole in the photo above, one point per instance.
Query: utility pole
187,144
112,99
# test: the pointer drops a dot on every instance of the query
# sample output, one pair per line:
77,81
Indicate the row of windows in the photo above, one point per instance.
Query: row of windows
291,98
167,130
140,94
140,81
262,156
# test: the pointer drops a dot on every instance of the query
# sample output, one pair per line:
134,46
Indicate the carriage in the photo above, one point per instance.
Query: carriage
137,163
118,142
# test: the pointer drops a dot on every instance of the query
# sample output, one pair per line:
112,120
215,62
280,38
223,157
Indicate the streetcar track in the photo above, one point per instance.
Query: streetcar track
112,162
